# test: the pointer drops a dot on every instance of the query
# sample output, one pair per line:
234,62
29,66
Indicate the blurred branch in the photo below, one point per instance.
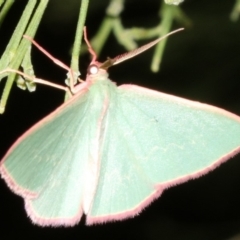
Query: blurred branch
129,37
236,11
168,14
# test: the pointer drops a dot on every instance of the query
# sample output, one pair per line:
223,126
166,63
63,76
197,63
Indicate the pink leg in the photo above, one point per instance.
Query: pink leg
55,60
36,80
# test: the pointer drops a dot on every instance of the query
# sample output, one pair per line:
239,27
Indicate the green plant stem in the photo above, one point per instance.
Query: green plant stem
22,49
5,9
11,49
78,36
77,46
166,23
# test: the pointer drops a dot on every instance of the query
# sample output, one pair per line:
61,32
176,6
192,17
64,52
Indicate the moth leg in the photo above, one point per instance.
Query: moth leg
56,61
33,79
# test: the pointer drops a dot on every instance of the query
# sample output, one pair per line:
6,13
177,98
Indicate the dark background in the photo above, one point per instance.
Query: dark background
202,63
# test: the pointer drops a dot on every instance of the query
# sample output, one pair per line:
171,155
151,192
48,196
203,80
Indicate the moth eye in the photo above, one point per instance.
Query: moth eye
93,69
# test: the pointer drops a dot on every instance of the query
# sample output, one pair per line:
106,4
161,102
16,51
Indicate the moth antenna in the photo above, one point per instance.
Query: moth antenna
90,49
135,52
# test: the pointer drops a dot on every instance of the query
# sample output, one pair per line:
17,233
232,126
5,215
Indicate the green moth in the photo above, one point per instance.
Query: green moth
109,151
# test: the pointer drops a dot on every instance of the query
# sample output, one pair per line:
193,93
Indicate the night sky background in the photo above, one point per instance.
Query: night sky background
201,63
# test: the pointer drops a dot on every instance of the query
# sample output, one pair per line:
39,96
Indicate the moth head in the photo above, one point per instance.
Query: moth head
95,70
